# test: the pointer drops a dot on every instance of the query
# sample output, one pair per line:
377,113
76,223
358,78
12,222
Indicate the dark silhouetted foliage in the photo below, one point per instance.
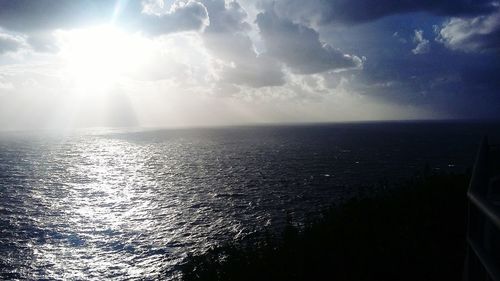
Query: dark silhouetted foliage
414,232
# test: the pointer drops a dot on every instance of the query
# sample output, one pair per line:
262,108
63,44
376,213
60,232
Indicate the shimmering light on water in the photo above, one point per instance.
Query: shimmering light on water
132,205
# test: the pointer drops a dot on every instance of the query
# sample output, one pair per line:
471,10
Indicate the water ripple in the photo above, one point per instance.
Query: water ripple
131,206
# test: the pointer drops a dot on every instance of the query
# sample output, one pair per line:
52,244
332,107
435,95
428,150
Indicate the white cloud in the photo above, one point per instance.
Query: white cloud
180,16
476,34
423,45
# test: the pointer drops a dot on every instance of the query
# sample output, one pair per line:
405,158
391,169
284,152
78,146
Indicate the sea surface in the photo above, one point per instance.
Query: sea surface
130,204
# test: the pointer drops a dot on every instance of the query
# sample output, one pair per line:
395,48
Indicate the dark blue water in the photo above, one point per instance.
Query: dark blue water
96,204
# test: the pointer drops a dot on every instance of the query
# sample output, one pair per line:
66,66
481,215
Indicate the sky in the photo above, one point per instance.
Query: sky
170,63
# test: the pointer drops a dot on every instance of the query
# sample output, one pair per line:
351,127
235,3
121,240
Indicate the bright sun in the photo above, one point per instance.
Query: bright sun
97,58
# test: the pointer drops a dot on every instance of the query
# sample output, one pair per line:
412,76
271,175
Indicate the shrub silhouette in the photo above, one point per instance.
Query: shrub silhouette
414,232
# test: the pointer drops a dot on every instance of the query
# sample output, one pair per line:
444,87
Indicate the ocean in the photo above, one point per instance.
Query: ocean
131,204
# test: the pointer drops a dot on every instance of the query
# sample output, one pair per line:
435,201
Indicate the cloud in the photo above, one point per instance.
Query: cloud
226,17
27,15
10,42
478,34
45,15
423,45
227,39
181,16
262,71
358,11
299,46
178,57
43,41
301,52
399,38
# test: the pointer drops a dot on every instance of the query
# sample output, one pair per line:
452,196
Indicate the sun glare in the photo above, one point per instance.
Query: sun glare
99,57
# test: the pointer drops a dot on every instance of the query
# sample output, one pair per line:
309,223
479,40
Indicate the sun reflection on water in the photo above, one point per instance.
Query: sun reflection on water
123,206
94,216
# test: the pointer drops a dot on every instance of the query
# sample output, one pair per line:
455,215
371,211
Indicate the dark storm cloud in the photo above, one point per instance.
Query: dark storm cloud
299,46
357,11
